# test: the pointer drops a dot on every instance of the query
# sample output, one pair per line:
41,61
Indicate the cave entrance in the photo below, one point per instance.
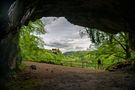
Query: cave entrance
51,44
65,39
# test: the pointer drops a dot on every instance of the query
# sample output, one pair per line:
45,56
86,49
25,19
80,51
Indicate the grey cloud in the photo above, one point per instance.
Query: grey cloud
67,40
80,48
58,45
64,35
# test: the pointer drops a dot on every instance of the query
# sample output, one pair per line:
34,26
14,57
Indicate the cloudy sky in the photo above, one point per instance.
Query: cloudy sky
64,35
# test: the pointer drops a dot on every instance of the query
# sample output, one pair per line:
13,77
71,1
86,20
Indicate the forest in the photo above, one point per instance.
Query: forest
110,48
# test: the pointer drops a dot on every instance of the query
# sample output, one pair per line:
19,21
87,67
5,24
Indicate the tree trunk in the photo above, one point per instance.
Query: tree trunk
128,53
127,46
8,56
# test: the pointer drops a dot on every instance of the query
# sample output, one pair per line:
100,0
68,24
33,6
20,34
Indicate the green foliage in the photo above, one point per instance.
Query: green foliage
110,48
98,37
31,44
121,40
81,59
28,40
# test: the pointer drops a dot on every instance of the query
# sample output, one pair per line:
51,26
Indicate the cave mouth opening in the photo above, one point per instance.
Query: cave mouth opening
56,33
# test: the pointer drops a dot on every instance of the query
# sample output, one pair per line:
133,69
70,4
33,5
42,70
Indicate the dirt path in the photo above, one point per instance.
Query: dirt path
55,77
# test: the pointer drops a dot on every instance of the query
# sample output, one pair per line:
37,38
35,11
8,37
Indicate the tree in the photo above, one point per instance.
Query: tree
32,45
29,42
120,40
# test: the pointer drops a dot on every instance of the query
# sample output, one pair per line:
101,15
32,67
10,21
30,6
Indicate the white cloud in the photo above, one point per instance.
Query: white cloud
64,35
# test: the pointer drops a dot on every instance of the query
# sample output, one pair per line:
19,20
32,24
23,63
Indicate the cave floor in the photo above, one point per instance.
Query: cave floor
56,77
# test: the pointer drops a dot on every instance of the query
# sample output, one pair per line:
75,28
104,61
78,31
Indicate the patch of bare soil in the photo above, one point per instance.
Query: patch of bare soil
55,77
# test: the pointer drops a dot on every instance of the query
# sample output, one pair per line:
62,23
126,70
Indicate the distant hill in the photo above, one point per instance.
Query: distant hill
76,53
